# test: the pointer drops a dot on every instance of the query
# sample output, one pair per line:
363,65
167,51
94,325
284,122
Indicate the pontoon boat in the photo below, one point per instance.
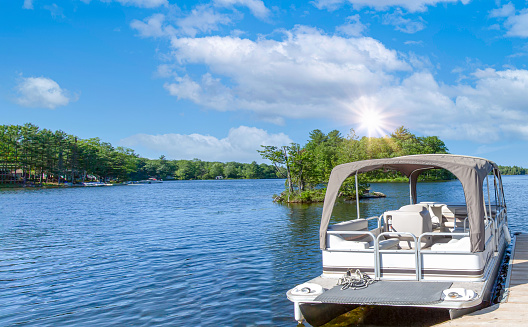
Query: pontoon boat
426,254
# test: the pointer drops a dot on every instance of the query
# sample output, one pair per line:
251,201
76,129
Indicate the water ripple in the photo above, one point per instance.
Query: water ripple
203,253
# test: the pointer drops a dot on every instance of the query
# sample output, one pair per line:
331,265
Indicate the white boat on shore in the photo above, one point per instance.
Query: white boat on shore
427,254
93,184
151,180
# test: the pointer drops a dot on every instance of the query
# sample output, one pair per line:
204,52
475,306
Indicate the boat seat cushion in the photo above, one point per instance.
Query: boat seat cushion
388,244
352,225
336,242
414,219
461,245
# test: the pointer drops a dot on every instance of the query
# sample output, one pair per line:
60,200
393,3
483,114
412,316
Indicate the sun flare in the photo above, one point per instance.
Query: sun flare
372,121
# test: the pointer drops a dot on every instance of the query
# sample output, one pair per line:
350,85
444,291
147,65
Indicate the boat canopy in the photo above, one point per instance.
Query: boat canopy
470,171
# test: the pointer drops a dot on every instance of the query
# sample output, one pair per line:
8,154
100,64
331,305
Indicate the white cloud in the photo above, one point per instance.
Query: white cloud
257,7
504,11
515,23
410,42
210,92
152,26
518,24
353,26
402,24
28,4
410,5
241,144
491,109
302,75
309,74
202,19
141,3
41,92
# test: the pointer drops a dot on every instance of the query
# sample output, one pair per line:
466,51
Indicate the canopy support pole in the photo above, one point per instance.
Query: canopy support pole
357,195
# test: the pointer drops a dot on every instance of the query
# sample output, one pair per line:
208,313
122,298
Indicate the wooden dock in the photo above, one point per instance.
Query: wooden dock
511,312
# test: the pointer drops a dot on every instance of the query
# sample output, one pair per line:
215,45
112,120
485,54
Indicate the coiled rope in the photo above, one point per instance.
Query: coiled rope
354,280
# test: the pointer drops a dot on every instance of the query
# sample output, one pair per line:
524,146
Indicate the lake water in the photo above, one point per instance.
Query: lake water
185,253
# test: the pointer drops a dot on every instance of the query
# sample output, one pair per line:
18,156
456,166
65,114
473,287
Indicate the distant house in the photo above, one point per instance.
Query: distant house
219,177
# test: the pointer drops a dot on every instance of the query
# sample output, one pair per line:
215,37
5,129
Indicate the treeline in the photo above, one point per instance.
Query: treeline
198,169
307,168
30,155
513,170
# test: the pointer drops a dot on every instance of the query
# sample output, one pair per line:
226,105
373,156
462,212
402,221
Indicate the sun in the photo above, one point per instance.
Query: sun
373,122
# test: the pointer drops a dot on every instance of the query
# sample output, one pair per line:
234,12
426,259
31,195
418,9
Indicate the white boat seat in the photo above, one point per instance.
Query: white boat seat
353,225
336,242
414,219
435,210
455,245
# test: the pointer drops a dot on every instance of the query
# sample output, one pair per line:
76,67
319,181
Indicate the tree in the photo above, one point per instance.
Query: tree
278,157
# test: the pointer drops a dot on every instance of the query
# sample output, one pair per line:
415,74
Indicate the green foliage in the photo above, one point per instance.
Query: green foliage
30,155
513,170
307,168
308,196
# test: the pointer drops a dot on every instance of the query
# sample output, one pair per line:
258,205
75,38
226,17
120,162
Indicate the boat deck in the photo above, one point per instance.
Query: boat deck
388,293
393,293
511,312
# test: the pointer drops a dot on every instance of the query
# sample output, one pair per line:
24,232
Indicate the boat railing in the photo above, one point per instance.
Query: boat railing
351,232
419,250
377,267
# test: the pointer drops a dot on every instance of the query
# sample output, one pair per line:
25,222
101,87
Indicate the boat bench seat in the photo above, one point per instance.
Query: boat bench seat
455,245
336,242
356,242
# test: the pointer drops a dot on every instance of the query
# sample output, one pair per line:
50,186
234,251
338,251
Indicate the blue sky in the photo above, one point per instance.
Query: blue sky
215,79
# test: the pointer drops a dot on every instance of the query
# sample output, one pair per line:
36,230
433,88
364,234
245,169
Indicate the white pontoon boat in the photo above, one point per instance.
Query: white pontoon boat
427,254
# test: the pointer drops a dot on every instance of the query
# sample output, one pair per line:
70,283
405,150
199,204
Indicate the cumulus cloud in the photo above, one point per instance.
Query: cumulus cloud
410,5
312,75
241,144
302,75
489,110
41,92
309,74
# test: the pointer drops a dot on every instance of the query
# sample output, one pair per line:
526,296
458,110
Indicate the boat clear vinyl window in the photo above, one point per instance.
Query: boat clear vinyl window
446,191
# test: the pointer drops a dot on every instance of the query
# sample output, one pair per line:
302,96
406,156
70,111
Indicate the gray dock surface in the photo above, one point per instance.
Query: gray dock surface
513,311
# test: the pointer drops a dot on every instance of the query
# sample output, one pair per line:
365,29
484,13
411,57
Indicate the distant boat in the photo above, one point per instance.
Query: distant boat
91,184
151,180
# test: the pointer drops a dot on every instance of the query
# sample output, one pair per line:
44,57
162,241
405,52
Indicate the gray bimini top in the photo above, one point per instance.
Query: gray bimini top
471,172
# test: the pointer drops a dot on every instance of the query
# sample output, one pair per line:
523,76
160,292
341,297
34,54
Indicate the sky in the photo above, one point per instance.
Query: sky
215,79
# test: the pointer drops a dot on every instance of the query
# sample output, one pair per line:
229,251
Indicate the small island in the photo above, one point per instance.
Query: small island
307,168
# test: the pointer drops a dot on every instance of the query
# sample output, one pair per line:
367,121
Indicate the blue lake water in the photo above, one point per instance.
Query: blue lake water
185,253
